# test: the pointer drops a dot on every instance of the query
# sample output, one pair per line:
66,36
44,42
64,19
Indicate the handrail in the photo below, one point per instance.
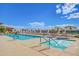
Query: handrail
48,41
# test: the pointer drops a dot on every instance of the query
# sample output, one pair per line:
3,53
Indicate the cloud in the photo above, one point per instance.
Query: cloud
58,6
63,25
32,25
39,25
68,10
74,15
58,11
13,26
49,27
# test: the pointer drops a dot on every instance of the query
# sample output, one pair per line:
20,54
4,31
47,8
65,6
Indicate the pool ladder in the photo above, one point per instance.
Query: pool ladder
42,48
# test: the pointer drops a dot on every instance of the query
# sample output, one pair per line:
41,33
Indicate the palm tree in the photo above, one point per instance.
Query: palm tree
55,30
58,29
70,28
2,28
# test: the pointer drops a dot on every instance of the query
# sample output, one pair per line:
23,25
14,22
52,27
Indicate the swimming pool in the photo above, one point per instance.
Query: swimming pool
57,43
22,37
60,44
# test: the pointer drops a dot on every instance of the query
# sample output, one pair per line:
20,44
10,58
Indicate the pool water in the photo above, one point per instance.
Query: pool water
60,44
22,37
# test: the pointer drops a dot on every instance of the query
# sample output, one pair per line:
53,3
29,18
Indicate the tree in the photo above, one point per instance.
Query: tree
2,29
53,31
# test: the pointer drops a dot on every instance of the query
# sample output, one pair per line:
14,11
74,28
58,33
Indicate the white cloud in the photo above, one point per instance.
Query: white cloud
58,11
58,6
13,26
74,15
66,16
33,25
37,24
68,10
49,27
63,25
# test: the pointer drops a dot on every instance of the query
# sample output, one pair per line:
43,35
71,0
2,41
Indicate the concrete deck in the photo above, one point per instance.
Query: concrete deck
10,47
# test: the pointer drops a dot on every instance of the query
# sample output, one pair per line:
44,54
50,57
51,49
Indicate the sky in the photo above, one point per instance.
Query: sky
39,15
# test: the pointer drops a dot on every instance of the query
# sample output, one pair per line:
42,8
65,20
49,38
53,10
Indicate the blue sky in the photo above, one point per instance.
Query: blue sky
41,15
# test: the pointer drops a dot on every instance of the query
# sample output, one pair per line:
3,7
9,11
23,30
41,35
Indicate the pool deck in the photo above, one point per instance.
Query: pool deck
10,47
